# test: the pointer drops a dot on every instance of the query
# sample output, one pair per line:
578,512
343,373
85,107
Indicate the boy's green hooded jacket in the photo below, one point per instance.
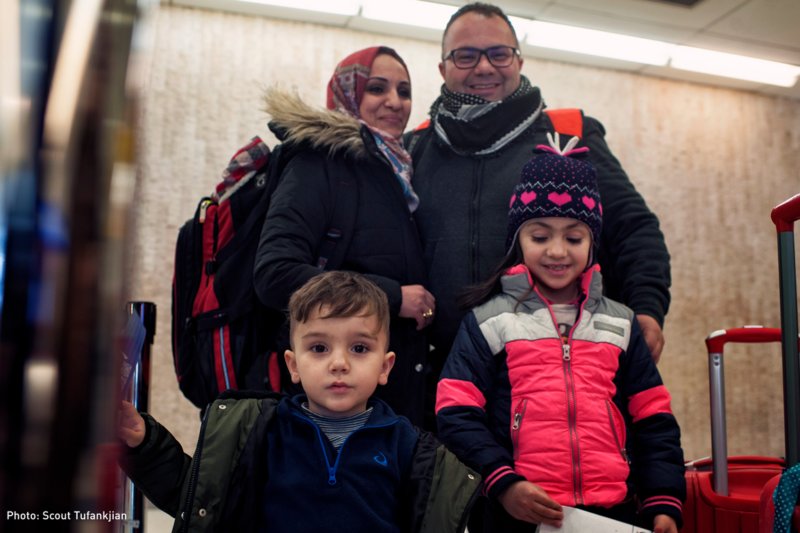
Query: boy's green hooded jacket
221,488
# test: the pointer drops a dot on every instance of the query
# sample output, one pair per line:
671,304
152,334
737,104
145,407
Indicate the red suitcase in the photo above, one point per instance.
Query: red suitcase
734,494
723,492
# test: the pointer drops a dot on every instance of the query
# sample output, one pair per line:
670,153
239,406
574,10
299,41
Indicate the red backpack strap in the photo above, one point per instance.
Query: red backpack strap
413,140
567,121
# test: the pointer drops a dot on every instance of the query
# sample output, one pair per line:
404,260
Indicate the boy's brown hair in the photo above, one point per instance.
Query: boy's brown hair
345,294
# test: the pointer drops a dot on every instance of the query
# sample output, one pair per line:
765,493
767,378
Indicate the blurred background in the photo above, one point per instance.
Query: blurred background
117,116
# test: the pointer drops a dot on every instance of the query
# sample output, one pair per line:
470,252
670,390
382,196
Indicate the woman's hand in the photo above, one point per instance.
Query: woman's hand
529,502
131,425
418,304
664,524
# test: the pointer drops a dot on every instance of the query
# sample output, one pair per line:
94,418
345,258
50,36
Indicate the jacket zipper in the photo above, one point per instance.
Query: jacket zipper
573,432
474,216
620,447
332,470
569,381
222,356
519,412
187,508
215,234
462,524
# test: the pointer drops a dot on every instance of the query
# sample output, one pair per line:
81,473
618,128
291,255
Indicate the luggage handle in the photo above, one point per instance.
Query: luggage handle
748,334
716,382
785,214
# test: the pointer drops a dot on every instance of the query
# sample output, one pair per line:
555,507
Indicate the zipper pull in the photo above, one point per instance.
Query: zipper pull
625,455
331,476
203,209
517,418
566,352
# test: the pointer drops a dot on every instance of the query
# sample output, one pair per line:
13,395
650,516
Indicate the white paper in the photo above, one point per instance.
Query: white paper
578,521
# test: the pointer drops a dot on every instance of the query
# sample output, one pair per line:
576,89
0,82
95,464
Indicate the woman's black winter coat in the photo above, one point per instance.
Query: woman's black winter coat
384,247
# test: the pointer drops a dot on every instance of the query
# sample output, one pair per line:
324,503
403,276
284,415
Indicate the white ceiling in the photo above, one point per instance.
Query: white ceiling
764,29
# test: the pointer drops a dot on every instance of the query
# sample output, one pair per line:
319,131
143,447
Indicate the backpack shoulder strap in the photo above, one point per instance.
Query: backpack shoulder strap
271,171
254,219
567,121
423,126
415,143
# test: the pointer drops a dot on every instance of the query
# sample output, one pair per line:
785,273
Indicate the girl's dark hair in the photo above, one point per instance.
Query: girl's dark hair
483,292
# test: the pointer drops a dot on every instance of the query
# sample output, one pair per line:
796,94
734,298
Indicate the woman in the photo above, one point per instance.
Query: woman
358,141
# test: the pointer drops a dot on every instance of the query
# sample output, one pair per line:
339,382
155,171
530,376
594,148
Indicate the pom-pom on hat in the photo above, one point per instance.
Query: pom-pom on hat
557,184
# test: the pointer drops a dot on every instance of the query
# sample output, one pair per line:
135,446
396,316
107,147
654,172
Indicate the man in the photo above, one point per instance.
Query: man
482,131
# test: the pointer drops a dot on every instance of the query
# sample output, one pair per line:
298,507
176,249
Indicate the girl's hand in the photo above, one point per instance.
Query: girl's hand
418,304
664,524
529,502
131,425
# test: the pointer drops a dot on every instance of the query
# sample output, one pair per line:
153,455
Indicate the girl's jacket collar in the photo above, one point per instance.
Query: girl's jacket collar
517,281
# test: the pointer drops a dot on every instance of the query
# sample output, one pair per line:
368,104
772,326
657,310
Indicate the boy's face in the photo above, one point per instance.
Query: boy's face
339,362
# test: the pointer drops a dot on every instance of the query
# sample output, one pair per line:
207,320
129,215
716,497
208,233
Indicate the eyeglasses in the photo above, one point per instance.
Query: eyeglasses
498,56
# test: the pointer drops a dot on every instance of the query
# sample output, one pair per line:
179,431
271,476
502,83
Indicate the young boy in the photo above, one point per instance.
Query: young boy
333,459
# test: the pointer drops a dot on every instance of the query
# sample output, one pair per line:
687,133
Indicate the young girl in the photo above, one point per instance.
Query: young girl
550,390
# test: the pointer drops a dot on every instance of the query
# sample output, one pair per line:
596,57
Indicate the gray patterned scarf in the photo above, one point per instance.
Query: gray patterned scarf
471,125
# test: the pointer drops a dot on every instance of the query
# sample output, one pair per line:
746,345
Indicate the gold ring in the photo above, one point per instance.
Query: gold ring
428,314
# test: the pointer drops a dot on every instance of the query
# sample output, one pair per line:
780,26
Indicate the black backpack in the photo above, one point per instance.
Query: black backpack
223,337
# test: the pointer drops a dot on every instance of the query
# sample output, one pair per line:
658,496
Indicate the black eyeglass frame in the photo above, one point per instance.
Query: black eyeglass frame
482,52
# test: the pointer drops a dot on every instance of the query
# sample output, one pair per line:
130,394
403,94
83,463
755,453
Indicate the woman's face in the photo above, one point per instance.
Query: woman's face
386,102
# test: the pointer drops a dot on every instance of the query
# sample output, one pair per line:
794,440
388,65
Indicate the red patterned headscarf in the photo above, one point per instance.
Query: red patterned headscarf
350,79
345,92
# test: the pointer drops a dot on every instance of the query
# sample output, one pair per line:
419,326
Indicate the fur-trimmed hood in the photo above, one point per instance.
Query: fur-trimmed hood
295,121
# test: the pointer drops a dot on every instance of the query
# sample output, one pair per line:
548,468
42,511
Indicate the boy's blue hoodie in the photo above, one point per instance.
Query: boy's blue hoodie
312,488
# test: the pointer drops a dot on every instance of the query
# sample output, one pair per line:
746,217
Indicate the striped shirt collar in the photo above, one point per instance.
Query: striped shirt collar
337,429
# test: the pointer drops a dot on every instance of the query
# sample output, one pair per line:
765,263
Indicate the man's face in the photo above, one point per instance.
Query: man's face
339,362
484,80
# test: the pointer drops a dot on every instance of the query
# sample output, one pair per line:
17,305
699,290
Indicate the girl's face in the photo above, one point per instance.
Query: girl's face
556,251
386,102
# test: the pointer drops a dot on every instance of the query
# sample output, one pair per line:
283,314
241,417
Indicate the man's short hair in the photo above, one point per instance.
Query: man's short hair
344,294
485,10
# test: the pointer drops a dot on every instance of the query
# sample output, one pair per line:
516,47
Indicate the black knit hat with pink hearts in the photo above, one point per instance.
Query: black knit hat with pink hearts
557,185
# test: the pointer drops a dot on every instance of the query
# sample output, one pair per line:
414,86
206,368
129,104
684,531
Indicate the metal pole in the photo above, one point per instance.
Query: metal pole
716,386
133,499
719,436
791,364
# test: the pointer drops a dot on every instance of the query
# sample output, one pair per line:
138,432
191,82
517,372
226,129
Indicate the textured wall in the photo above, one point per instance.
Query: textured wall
710,162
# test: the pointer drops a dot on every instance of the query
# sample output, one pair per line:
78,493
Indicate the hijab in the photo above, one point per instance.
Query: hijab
345,93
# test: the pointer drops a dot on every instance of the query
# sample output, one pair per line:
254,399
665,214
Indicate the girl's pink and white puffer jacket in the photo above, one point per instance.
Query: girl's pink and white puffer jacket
588,420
